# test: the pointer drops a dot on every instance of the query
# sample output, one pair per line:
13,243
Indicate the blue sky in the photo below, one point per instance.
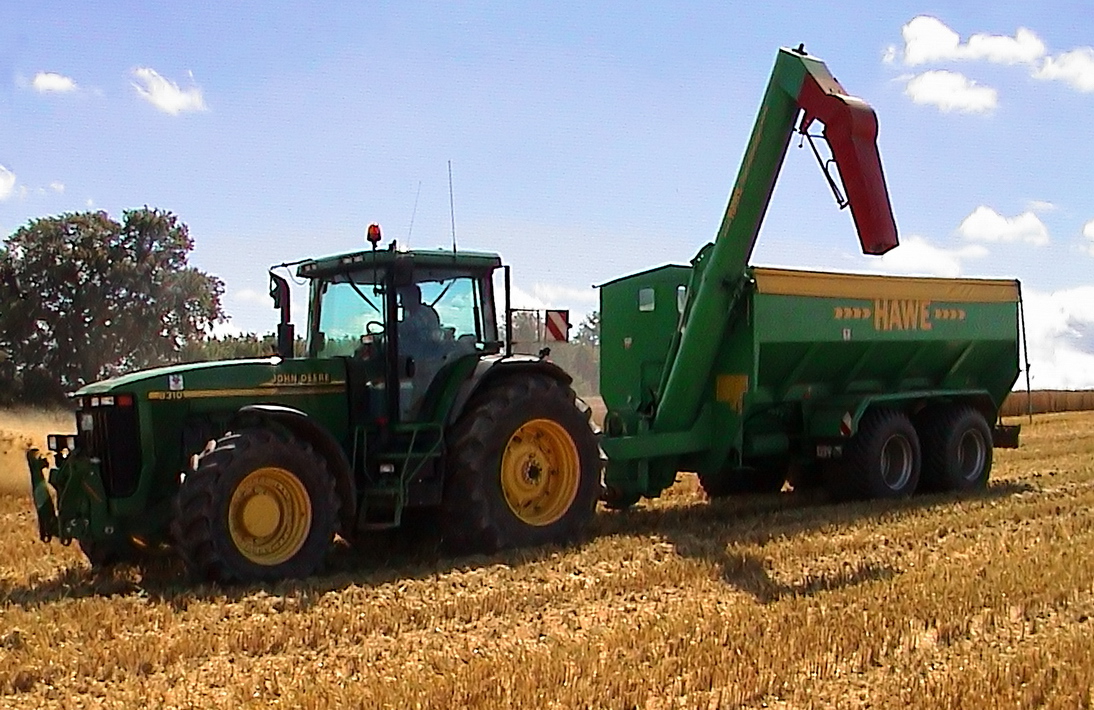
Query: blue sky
587,140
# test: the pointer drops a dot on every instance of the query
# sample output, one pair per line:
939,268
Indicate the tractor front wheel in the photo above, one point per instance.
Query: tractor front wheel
523,468
260,506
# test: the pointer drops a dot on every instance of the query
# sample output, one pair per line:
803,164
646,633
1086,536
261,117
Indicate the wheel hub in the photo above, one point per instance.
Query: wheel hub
269,515
971,455
540,472
896,462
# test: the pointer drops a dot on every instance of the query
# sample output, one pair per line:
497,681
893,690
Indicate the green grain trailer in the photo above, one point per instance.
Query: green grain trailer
751,377
842,379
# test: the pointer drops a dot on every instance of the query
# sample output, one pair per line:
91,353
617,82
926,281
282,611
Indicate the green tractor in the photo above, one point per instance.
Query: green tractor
408,399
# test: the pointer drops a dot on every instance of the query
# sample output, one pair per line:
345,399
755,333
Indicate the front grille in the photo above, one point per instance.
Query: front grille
114,439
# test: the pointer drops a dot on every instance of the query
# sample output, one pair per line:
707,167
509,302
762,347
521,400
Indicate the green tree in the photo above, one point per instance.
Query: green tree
233,347
588,333
83,297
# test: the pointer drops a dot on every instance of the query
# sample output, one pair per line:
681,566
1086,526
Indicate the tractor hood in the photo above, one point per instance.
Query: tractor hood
256,378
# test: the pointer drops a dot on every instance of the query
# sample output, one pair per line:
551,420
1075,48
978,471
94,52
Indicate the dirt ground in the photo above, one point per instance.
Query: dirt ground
783,601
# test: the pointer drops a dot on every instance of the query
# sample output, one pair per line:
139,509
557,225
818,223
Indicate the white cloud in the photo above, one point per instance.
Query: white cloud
250,310
917,256
1040,206
1075,67
165,94
928,39
90,202
542,296
7,183
1024,47
1088,232
951,91
1059,326
227,329
58,187
50,82
986,225
890,54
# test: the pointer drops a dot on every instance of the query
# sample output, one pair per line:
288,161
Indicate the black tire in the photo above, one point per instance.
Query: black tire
763,479
210,529
882,459
531,419
957,448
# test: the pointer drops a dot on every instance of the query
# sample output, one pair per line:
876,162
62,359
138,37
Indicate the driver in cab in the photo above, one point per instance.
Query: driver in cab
420,331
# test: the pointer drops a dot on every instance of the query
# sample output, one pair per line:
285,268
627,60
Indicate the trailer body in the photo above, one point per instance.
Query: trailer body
804,356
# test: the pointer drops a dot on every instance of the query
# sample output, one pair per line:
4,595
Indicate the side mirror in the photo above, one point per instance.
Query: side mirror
279,292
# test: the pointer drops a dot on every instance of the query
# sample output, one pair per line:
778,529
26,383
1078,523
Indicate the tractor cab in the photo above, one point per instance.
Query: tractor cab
399,319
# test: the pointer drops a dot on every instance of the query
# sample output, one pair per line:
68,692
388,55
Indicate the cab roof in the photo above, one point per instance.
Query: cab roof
430,258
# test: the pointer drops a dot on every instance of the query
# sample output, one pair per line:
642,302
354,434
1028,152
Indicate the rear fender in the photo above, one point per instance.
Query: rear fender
305,428
492,368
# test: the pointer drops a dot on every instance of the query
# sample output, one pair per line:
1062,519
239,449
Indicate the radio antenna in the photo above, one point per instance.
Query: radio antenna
452,206
413,213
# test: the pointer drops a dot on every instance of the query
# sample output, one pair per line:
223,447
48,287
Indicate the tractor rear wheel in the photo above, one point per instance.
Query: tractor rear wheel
523,468
882,459
261,506
957,449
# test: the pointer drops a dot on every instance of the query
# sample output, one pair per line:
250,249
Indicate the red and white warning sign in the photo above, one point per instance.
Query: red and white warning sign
557,326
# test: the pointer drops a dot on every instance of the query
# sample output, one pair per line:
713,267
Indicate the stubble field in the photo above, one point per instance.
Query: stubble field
779,601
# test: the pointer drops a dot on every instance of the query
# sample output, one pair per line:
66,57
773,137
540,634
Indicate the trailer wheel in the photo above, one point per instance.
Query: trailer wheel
882,460
260,506
957,449
523,468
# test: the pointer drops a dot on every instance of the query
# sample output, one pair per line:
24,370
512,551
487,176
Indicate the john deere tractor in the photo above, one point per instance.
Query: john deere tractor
408,399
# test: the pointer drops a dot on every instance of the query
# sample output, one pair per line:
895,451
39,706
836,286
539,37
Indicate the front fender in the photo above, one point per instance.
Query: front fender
305,428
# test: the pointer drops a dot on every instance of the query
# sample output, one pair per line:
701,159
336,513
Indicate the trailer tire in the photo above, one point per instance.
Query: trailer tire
260,506
957,449
523,468
882,460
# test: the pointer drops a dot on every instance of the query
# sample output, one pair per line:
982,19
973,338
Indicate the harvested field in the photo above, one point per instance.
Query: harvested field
780,601
20,430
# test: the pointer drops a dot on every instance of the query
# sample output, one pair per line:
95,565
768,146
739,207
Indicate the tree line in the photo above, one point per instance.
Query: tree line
84,297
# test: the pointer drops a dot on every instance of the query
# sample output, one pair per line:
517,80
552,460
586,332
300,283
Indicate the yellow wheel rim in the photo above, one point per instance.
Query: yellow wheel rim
540,472
269,516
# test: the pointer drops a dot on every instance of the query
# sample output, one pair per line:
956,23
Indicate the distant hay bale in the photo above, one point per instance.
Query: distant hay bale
1048,401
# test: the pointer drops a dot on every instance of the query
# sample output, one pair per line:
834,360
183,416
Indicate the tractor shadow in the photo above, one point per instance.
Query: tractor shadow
696,530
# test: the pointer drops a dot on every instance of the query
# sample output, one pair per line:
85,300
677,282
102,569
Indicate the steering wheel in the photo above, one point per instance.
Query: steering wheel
369,327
